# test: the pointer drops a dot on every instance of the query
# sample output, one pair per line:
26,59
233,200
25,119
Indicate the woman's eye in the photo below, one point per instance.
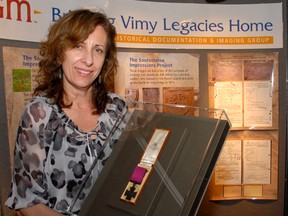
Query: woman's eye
99,50
78,46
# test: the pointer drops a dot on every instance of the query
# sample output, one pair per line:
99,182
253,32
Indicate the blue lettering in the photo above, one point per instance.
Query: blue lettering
165,26
175,26
55,14
139,24
126,24
252,27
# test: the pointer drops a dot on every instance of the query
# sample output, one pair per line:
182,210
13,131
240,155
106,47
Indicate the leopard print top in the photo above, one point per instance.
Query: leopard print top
52,155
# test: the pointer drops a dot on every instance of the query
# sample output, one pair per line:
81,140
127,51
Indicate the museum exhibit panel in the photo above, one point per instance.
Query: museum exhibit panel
206,84
246,84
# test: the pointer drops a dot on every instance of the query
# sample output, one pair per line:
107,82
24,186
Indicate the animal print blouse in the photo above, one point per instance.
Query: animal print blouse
52,155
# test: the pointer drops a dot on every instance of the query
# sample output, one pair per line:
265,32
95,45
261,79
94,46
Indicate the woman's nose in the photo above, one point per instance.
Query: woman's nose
87,58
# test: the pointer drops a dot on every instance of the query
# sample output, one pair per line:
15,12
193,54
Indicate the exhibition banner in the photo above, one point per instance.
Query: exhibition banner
143,24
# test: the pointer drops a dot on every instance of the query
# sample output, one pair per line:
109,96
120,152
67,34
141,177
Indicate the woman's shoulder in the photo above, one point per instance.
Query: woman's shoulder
39,106
113,95
40,100
115,101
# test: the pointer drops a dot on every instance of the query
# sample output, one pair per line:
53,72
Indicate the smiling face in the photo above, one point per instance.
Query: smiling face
83,63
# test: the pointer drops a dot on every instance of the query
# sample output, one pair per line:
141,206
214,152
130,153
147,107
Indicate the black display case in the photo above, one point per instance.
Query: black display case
181,173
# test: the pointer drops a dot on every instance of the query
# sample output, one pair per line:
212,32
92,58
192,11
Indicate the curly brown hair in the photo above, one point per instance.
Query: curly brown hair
67,32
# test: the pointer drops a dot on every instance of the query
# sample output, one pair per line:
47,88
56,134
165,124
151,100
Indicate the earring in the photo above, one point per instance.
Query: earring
60,72
99,79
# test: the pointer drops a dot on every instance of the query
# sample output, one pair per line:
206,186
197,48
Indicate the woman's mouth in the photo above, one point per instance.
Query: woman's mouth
84,72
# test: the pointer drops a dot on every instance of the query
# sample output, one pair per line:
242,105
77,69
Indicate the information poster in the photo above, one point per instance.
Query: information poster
256,162
247,167
228,170
20,69
229,95
245,86
258,103
169,78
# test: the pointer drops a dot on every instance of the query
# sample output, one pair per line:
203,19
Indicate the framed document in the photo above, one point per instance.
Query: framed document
189,147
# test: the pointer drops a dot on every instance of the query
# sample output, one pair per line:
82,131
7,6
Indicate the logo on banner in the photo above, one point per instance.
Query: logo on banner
16,9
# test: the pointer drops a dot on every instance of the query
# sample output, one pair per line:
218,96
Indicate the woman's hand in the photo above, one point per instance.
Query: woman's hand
37,210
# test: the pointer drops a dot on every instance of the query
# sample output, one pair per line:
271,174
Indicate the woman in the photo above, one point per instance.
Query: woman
67,125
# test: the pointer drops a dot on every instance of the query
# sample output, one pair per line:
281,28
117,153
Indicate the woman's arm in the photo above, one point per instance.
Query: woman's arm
37,210
28,180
